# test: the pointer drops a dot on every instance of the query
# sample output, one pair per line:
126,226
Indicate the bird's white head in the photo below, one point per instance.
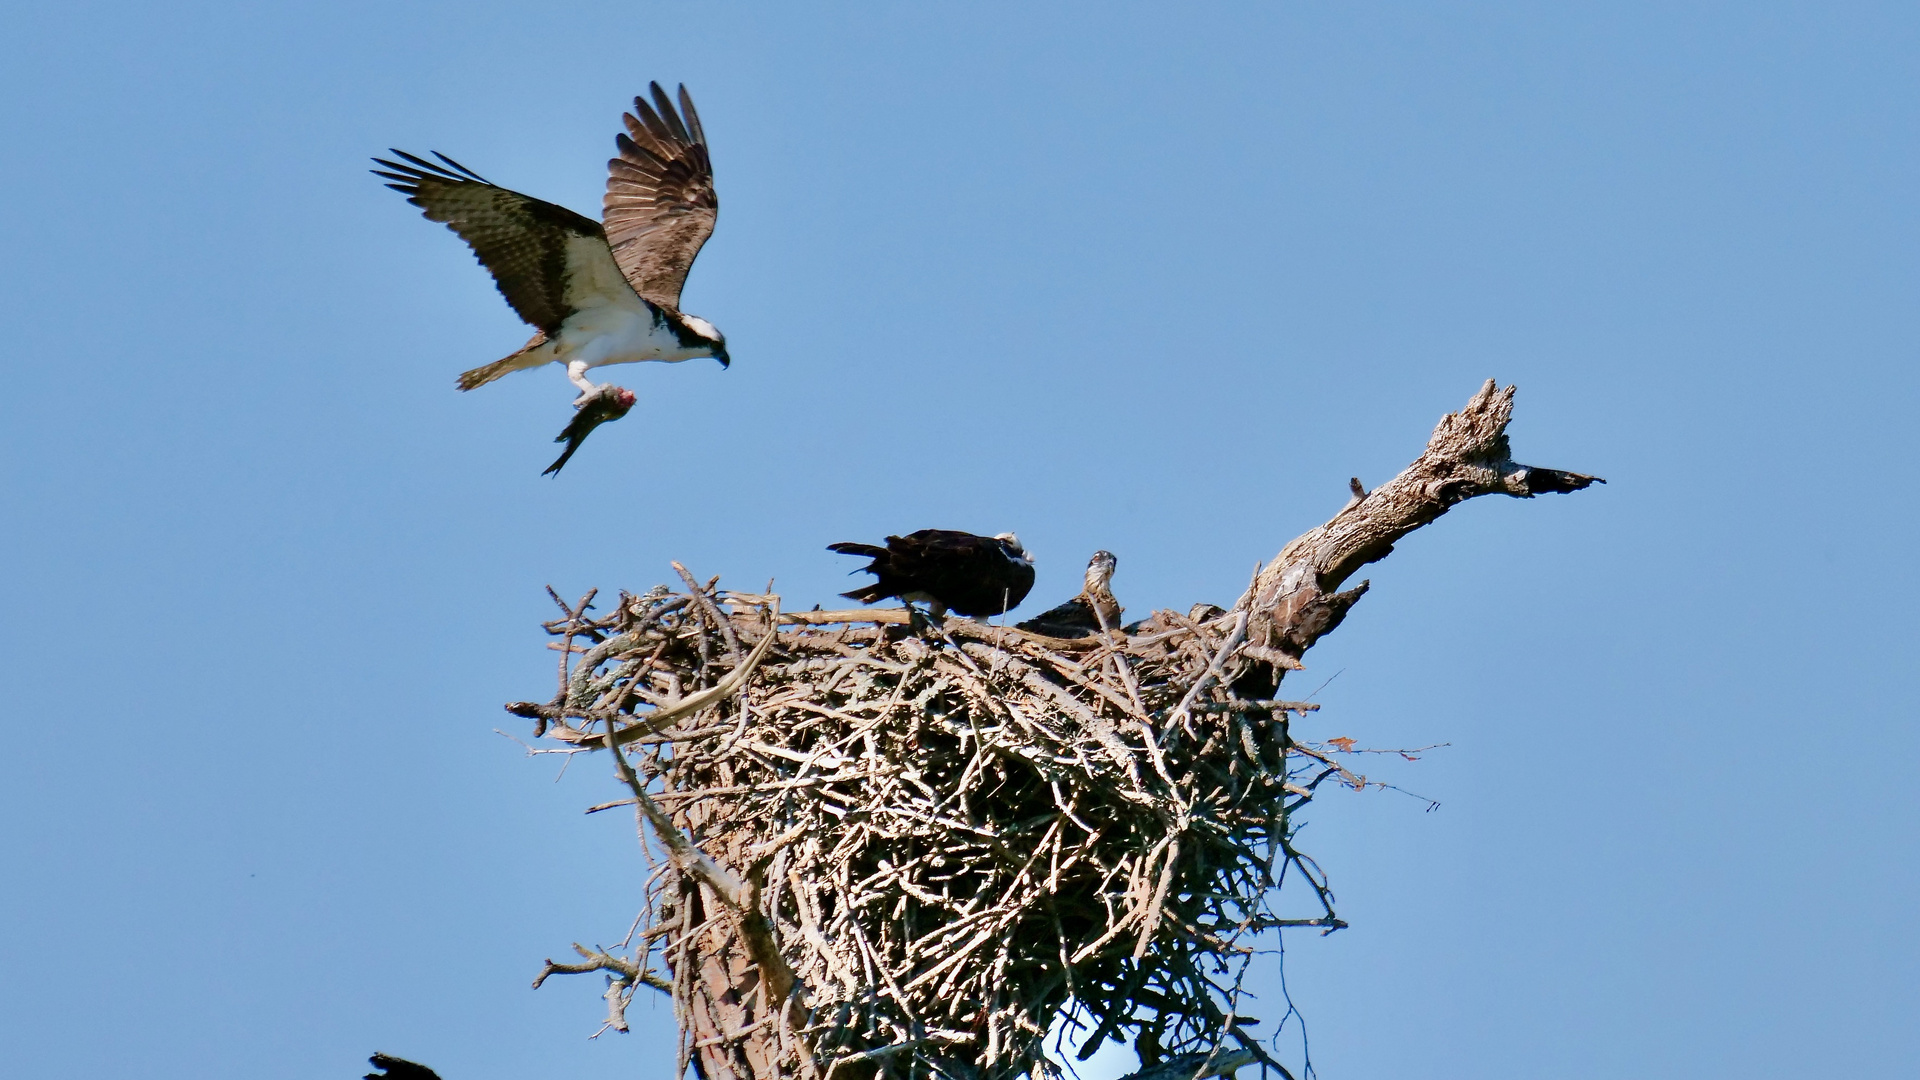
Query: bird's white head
709,333
1011,544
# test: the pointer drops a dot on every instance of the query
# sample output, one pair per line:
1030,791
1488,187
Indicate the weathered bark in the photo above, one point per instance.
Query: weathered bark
1295,602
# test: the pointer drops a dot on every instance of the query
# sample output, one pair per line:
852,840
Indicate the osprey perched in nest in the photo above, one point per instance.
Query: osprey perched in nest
1092,611
946,569
605,292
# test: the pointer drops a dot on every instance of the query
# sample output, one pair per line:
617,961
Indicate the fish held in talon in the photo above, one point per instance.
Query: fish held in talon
947,570
595,292
603,404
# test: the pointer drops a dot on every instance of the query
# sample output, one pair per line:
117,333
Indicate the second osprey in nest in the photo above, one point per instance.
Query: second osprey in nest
596,292
1091,612
946,569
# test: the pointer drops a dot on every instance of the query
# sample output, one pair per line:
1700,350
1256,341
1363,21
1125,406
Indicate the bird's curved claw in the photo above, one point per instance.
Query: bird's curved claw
596,391
918,622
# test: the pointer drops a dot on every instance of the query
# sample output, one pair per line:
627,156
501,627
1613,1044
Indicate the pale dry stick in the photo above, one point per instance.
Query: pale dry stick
1214,667
876,1055
1084,678
1009,911
1098,727
712,612
737,1034
1117,661
1138,644
1150,922
740,789
601,961
656,721
574,615
1153,752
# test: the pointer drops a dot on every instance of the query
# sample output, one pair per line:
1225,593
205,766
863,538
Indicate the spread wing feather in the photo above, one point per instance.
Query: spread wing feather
523,241
660,204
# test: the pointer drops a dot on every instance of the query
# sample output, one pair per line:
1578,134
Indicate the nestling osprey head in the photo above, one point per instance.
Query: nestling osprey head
1010,544
1100,568
711,334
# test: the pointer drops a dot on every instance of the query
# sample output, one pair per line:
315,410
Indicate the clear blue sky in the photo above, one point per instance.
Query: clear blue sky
1112,277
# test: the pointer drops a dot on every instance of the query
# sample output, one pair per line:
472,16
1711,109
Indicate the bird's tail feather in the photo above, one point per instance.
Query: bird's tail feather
867,550
872,594
536,352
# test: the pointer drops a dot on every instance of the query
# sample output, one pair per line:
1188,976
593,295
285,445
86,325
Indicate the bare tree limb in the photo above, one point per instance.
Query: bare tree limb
1293,600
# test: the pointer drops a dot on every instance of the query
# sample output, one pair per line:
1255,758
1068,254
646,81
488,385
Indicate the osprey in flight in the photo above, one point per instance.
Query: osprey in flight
1091,612
393,1068
945,569
596,292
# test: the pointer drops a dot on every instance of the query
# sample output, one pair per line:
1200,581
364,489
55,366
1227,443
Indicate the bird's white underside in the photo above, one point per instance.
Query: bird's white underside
610,323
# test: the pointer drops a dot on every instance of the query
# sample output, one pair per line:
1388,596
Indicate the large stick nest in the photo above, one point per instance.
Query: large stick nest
944,830
901,848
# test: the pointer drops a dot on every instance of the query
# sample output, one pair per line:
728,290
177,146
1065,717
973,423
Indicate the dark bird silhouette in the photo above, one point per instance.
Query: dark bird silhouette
606,403
399,1069
1090,612
596,292
946,569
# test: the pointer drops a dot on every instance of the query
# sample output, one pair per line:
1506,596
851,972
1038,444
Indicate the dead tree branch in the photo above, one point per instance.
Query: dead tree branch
1294,599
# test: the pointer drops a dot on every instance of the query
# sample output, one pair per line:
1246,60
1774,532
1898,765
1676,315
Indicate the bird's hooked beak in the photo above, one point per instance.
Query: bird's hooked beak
720,354
1013,542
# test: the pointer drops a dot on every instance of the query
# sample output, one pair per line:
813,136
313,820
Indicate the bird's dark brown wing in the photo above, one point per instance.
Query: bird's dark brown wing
660,204
399,1069
970,574
1075,618
941,544
524,242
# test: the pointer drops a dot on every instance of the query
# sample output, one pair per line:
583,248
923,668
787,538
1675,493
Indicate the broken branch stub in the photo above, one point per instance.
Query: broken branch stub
888,849
1294,598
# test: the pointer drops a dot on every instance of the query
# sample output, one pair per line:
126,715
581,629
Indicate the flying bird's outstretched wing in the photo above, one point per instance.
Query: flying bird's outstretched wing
393,1068
660,204
546,259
